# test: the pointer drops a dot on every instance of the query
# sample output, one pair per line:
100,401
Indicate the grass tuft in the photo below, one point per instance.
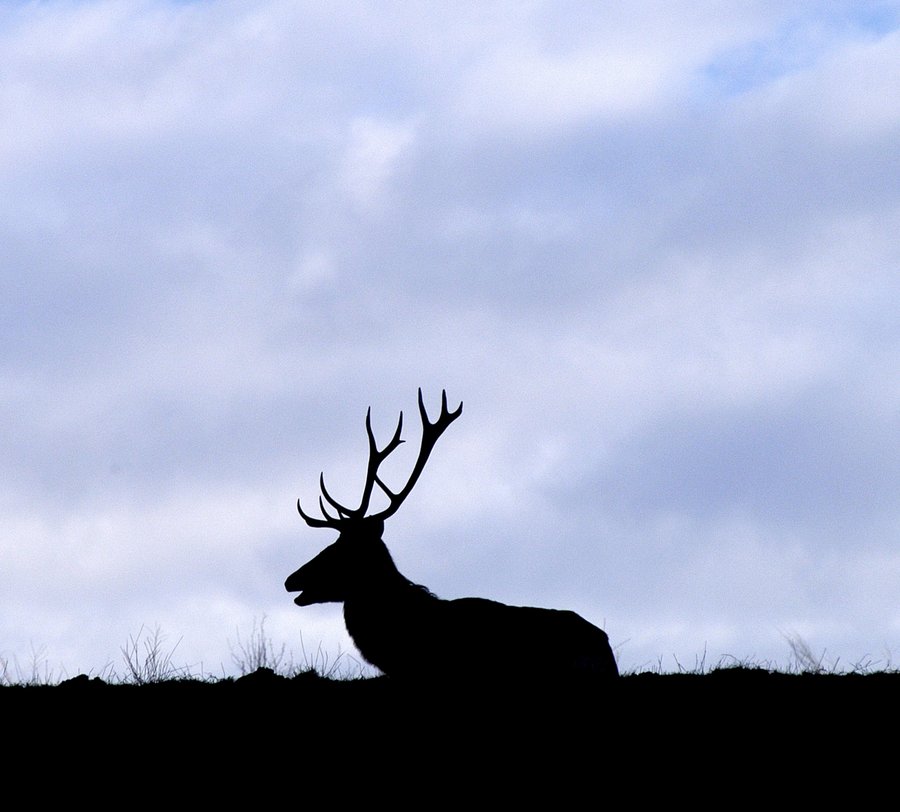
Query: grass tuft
36,672
259,652
147,661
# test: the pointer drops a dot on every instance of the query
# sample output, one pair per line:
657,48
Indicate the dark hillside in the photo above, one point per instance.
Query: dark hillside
748,725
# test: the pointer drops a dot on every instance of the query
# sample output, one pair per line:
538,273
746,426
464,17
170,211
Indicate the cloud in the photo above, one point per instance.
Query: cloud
374,148
653,252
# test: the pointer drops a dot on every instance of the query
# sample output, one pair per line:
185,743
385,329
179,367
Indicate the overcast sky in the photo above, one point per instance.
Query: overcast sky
653,246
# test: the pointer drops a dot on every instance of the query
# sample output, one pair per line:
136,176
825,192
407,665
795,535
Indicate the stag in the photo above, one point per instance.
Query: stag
404,629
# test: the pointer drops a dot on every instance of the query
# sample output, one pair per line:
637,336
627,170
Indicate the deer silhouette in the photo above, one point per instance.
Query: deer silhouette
406,631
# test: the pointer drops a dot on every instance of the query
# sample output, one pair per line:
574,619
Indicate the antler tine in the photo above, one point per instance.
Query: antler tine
342,511
333,522
326,514
374,453
376,457
430,434
445,418
314,522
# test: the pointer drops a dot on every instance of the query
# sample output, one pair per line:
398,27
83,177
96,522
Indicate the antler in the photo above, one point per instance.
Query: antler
430,434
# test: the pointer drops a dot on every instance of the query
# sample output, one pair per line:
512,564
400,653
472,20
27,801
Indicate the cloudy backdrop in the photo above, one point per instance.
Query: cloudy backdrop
654,247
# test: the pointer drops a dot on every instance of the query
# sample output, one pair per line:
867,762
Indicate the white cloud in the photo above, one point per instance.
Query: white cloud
666,302
517,90
372,153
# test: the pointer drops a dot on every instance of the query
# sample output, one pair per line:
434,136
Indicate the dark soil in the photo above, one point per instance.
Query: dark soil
656,735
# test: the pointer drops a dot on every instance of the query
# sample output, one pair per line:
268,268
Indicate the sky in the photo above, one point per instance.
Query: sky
653,247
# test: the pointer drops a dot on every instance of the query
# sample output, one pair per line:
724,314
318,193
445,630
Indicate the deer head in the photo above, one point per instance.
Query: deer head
359,560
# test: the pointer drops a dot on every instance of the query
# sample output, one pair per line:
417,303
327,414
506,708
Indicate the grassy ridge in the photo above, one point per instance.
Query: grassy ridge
748,694
657,738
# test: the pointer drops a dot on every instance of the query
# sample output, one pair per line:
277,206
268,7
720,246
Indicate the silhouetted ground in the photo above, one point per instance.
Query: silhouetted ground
652,736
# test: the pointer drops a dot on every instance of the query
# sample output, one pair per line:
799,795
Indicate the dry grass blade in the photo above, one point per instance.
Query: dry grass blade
147,661
259,652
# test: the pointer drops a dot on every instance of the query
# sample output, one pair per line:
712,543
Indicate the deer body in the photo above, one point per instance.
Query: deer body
476,638
406,631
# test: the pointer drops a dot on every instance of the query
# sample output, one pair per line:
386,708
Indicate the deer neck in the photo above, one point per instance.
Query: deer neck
386,588
387,620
